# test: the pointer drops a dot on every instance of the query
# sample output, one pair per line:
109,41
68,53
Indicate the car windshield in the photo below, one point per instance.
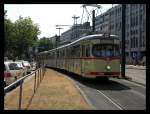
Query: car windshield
19,65
13,66
105,50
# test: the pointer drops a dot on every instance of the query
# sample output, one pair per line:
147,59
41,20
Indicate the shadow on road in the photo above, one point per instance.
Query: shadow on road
99,84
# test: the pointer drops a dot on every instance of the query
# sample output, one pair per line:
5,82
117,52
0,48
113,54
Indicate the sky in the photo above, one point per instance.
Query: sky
49,15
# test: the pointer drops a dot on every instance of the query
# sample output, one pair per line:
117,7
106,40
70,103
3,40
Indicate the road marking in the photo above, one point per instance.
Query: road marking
110,100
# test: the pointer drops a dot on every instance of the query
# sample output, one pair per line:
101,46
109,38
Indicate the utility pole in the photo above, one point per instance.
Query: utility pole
93,13
93,21
123,59
59,30
75,24
58,37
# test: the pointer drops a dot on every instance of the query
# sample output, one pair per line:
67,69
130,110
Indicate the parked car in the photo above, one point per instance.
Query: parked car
27,65
23,69
11,72
33,65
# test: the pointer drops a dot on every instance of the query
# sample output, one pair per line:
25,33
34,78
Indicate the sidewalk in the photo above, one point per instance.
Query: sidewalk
54,92
136,73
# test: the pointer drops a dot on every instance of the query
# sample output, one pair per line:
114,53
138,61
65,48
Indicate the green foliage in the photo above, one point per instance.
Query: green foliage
45,44
20,35
9,37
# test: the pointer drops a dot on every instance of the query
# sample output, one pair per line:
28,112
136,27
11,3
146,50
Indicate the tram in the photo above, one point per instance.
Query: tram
91,56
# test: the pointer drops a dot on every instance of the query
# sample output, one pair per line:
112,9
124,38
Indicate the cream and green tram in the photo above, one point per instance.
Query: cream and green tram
90,56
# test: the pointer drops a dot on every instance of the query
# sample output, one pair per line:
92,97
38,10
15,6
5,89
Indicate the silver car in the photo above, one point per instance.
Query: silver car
26,65
11,72
23,69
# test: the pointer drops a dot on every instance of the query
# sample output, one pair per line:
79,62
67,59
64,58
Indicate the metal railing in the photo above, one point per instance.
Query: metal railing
39,74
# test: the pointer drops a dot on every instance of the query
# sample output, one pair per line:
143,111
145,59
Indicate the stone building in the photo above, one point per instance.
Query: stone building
111,22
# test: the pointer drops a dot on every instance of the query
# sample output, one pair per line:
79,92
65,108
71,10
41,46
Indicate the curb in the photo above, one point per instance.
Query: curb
136,68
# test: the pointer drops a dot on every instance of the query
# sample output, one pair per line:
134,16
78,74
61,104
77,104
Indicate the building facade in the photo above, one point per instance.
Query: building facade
135,28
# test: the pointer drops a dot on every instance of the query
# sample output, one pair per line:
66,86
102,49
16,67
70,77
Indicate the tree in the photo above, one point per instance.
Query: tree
26,33
9,39
45,44
19,36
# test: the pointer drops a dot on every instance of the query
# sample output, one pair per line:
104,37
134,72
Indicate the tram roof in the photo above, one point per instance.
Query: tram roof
89,37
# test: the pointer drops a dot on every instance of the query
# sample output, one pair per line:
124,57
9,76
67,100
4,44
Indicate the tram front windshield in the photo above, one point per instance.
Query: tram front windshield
105,50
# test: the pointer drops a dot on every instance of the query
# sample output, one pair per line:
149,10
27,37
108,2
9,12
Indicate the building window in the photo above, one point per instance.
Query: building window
144,42
131,43
140,43
136,42
136,20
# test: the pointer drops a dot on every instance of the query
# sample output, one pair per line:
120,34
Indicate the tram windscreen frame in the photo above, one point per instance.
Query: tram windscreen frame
105,50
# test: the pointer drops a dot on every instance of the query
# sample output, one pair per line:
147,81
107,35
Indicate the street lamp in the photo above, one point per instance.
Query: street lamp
75,25
58,37
59,29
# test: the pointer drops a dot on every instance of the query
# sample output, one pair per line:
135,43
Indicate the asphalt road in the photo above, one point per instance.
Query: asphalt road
116,94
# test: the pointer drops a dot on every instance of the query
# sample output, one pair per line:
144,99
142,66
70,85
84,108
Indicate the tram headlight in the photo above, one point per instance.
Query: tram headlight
108,67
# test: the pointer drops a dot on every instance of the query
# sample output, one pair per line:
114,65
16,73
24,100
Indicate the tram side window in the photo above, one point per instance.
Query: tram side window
48,56
65,52
76,50
62,53
87,50
45,56
83,51
57,54
53,55
69,52
72,52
